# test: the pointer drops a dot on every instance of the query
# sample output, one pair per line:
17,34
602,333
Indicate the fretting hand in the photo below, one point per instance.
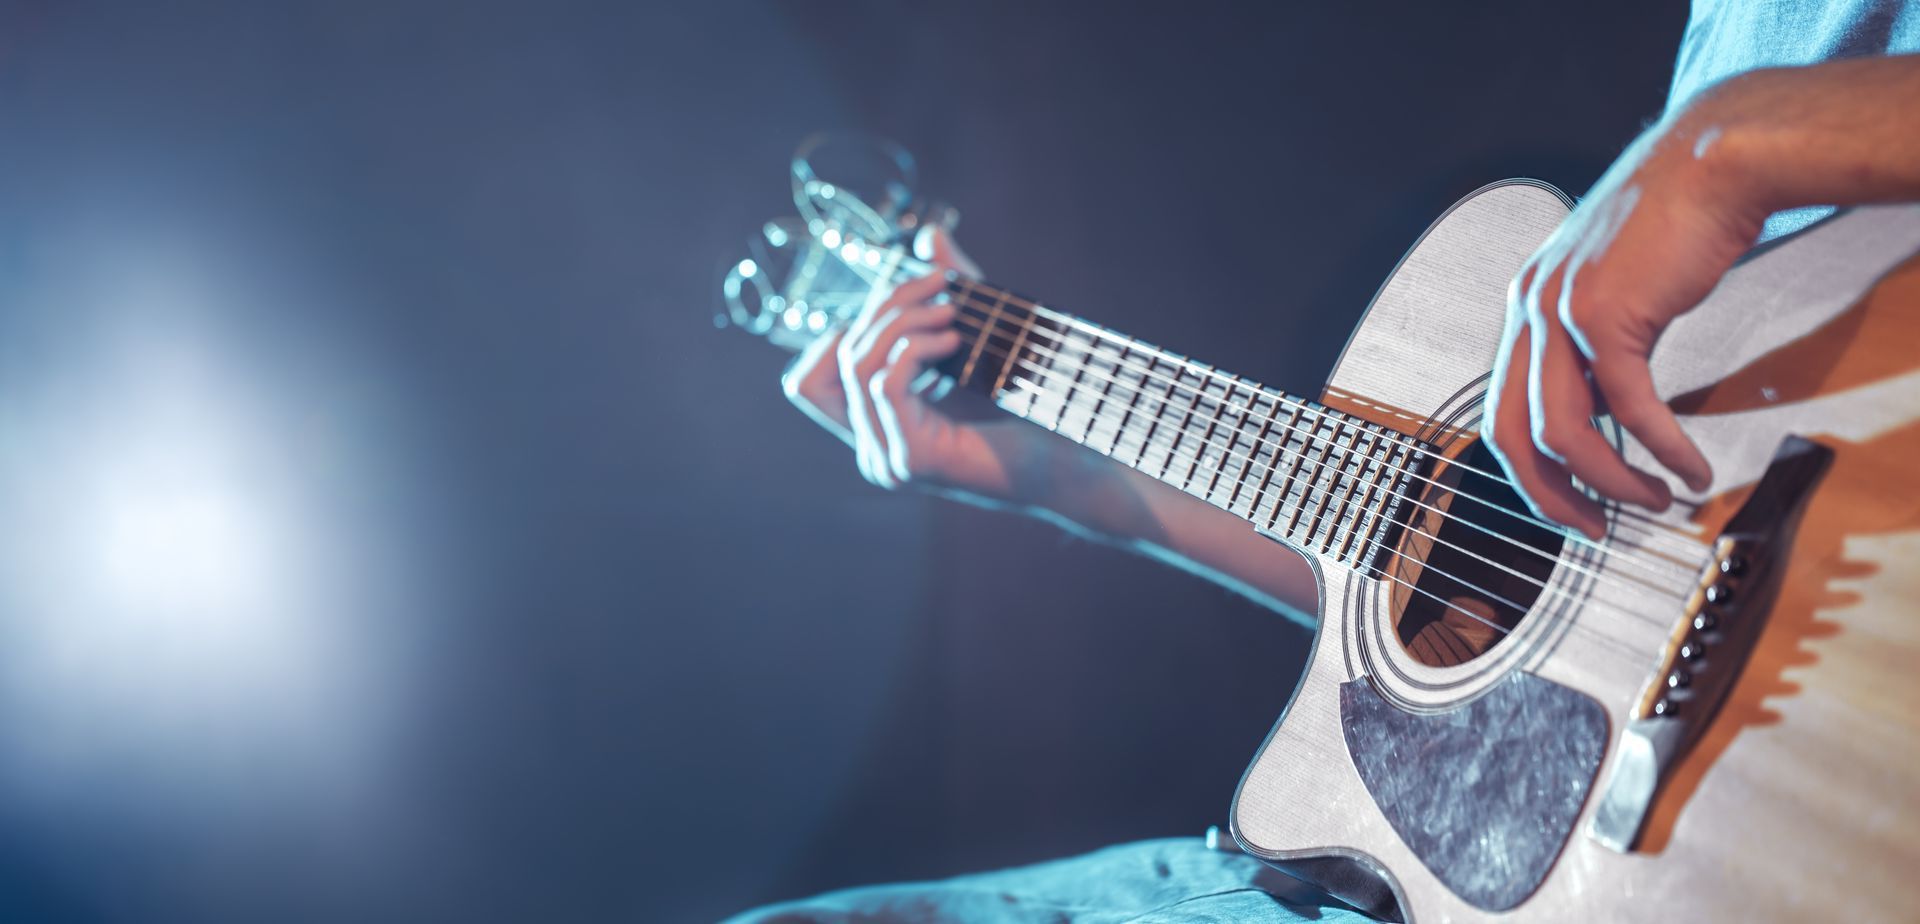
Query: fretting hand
860,383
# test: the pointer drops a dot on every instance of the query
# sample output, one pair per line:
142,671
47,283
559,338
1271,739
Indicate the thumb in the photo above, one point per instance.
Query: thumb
935,245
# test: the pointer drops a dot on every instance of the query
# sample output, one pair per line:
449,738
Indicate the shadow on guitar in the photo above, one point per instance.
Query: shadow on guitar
1870,495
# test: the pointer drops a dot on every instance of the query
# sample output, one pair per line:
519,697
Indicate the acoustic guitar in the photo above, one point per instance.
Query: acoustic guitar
1710,714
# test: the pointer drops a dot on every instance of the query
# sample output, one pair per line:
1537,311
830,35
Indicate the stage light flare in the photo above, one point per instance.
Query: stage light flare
185,619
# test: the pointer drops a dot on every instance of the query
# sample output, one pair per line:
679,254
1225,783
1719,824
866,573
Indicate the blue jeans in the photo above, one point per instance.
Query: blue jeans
1172,880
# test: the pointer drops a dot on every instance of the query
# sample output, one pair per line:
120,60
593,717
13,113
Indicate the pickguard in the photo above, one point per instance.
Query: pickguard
1485,794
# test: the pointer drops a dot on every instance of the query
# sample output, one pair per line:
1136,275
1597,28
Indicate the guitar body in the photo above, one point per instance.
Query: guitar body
1471,789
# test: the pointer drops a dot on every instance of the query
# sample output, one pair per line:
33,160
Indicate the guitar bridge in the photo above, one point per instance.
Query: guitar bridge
1724,618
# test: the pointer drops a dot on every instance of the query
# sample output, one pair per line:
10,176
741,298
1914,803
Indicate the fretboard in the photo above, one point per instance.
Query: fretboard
1326,482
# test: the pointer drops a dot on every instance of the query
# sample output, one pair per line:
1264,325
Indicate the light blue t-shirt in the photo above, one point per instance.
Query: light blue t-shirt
1727,37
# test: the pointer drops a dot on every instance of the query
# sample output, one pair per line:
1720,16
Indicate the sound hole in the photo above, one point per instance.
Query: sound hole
1477,561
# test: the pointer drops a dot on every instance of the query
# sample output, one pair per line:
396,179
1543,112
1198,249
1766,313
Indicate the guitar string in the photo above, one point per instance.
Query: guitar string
969,300
1311,433
1234,436
1026,379
1318,466
1205,372
898,260
1333,529
1621,555
1616,644
1359,519
1254,391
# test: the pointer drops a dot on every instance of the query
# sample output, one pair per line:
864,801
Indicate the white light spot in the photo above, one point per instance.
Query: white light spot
830,237
748,268
792,316
817,321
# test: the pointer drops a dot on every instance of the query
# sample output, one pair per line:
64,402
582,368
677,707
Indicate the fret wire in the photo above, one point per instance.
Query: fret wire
1335,501
1320,465
1286,483
986,332
1307,518
1390,472
1293,468
1180,431
1153,425
1366,461
1353,484
1099,401
1079,368
1013,354
1325,492
1384,480
1206,437
1259,441
1214,482
1147,437
1120,429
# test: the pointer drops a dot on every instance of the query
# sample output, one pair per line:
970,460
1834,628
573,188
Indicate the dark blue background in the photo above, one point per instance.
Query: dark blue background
674,658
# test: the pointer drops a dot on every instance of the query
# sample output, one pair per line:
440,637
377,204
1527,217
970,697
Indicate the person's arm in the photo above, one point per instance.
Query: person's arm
857,383
1652,239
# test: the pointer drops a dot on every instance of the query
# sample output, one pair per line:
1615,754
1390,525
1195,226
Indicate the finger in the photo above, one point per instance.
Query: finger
869,450
812,383
1626,383
1544,484
872,352
860,422
861,362
899,413
915,291
1560,401
921,289
936,245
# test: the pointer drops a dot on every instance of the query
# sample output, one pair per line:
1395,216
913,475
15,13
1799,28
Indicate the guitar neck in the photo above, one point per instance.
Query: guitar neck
1325,482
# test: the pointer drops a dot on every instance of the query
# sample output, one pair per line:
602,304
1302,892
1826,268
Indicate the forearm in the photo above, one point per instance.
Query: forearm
1840,133
1092,495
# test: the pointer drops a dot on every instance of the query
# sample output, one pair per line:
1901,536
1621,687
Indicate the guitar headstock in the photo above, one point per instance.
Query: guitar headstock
807,274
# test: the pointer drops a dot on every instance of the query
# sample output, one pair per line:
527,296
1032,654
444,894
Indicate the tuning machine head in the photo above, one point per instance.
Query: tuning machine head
804,275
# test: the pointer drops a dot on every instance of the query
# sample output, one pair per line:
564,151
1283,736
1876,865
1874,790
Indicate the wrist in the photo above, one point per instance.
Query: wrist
1837,133
1707,155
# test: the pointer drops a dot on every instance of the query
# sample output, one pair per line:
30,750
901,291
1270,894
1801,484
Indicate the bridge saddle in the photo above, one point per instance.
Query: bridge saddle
1723,620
